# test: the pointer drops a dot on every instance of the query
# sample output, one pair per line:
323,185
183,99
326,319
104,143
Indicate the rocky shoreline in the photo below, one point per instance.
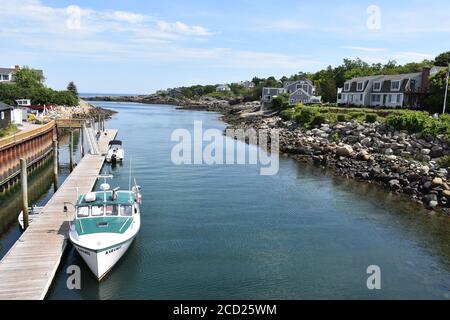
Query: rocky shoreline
83,111
371,153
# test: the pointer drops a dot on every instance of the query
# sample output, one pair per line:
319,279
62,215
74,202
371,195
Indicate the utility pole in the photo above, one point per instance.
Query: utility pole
446,90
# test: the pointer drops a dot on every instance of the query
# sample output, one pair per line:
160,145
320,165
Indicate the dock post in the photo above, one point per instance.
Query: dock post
55,165
24,183
71,150
82,140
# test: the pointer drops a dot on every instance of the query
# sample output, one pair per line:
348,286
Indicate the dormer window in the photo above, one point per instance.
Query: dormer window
377,86
395,85
360,86
347,87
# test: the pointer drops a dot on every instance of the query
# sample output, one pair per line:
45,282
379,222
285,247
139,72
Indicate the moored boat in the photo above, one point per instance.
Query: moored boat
115,152
105,225
33,212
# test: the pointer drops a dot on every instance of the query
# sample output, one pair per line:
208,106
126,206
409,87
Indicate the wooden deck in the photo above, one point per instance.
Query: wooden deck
27,270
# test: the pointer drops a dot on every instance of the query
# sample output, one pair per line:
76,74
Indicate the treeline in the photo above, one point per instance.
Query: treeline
328,80
28,85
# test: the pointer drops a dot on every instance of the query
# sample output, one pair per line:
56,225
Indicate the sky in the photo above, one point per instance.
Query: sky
135,46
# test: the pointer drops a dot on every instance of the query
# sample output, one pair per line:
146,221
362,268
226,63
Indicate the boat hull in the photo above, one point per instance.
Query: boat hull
100,262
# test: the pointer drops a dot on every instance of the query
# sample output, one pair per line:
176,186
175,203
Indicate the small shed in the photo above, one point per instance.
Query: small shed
5,115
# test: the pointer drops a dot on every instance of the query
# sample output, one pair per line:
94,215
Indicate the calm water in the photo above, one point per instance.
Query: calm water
225,232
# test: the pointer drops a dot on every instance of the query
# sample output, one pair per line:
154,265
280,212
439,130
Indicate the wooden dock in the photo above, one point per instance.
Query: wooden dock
28,269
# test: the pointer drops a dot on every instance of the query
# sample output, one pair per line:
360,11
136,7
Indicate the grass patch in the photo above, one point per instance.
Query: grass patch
9,130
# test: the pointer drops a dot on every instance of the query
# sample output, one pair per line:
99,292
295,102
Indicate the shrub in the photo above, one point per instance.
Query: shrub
341,118
371,118
318,120
306,116
287,114
444,162
356,115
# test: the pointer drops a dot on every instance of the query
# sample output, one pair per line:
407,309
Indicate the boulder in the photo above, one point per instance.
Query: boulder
344,151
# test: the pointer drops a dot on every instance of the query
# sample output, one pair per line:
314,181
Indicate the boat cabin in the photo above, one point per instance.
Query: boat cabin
109,203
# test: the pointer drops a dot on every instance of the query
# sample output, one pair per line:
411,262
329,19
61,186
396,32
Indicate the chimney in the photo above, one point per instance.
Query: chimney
425,79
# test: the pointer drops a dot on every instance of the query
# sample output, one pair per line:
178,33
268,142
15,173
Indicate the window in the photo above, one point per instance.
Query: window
360,97
376,98
395,85
377,86
389,98
112,210
412,85
350,96
399,96
3,115
344,97
360,86
97,211
126,211
347,87
83,212
4,77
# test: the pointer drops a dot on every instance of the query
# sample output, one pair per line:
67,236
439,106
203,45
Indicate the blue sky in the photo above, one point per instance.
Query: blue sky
138,46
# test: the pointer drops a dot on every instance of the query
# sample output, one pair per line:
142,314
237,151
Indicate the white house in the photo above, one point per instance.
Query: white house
223,88
7,74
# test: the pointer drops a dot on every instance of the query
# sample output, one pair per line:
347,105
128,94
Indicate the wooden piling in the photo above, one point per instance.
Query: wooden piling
71,150
55,165
82,140
24,183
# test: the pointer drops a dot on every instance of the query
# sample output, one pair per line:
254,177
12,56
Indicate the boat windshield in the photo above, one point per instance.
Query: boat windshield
112,210
126,211
97,211
83,212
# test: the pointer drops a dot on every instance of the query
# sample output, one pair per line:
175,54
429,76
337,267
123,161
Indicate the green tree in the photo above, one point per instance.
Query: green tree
72,88
435,99
443,59
28,78
281,102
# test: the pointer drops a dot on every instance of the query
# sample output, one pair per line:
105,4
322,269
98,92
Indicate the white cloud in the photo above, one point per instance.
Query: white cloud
287,25
182,28
129,17
364,49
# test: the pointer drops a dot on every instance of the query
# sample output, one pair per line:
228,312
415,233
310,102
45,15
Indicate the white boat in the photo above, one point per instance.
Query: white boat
105,225
115,152
33,212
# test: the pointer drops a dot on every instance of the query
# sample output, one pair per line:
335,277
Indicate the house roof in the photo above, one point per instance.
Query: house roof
9,70
4,106
6,70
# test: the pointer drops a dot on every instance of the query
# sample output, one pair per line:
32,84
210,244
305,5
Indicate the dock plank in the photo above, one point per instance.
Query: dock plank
28,269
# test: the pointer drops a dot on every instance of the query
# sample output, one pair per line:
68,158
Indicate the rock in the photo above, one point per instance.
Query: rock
430,198
424,170
446,193
366,141
436,152
437,182
344,151
388,152
394,184
425,151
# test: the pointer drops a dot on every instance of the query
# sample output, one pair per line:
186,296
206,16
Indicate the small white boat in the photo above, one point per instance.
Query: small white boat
32,214
105,225
115,152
